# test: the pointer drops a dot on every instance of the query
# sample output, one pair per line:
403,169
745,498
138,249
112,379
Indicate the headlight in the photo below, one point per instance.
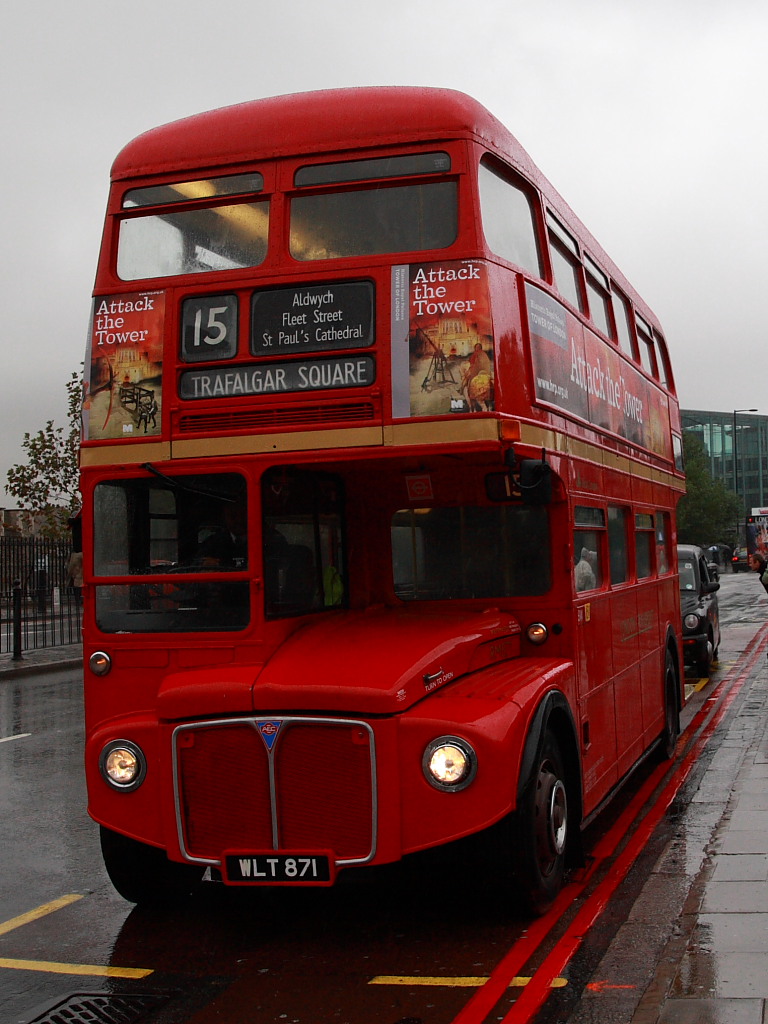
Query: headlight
99,663
123,765
537,633
691,621
449,764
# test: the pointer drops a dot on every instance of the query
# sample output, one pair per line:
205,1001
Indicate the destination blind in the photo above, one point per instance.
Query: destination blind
318,318
278,377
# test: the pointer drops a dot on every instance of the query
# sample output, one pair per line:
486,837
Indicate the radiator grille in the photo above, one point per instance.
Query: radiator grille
224,790
320,794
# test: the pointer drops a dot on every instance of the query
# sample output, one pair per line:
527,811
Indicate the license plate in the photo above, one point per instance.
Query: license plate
284,868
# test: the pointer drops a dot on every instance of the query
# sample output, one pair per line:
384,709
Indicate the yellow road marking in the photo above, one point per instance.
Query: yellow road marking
465,982
38,912
91,970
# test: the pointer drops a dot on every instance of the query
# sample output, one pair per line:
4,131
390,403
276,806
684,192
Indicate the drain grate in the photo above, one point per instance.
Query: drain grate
98,1008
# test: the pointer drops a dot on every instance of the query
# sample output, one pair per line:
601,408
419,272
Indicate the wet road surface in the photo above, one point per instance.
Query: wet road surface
411,944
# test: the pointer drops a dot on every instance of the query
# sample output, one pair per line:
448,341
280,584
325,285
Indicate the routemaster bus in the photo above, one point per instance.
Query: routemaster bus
380,460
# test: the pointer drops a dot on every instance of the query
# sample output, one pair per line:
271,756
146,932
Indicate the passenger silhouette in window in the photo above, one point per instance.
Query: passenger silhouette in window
228,546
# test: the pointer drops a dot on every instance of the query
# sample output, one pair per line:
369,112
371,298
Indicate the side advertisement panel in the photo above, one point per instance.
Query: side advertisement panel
577,373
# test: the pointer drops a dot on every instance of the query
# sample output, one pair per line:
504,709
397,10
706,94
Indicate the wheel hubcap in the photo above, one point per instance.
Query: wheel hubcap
551,819
558,817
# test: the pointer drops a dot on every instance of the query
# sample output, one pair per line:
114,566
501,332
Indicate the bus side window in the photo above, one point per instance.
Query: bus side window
589,523
661,525
587,572
643,545
617,544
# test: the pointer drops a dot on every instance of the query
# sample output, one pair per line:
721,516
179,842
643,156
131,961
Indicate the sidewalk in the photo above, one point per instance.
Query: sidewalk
694,947
716,970
42,659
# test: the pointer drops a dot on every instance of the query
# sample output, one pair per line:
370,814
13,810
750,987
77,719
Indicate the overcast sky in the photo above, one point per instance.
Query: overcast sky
649,116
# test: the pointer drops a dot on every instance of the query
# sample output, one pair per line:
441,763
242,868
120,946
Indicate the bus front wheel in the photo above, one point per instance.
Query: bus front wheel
541,829
143,874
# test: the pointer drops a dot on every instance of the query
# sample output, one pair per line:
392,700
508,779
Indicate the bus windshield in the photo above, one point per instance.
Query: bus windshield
168,526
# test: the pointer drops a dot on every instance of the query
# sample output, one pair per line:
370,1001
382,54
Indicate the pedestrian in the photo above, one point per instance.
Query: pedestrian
758,564
75,575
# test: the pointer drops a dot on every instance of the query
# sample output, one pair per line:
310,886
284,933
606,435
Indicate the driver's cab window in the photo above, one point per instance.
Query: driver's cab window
302,542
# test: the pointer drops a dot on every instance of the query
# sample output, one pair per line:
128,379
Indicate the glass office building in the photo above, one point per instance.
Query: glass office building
737,444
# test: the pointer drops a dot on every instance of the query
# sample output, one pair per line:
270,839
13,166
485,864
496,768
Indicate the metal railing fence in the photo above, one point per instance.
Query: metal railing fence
38,606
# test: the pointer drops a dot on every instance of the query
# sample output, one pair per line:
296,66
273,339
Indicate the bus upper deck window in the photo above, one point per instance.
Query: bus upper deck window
645,344
662,359
374,221
623,318
193,241
182,191
566,264
378,167
599,297
509,220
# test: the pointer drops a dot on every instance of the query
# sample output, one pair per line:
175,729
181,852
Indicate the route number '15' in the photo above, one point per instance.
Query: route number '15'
209,328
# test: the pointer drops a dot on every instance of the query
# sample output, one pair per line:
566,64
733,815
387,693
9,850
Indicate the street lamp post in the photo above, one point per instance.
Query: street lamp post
736,456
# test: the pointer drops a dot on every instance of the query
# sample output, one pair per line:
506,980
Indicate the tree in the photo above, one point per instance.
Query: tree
48,483
709,512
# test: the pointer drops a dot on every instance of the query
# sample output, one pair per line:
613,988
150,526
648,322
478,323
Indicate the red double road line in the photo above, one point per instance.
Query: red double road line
533,996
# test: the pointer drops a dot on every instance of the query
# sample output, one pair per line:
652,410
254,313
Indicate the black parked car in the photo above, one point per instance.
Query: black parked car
698,603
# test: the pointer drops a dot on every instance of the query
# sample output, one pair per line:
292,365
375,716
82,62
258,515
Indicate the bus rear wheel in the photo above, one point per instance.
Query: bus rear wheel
143,874
668,740
541,827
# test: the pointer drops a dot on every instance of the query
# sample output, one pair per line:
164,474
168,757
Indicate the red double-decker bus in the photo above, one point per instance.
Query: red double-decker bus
379,468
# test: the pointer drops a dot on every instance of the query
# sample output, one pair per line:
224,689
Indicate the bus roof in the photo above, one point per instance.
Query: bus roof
312,122
334,120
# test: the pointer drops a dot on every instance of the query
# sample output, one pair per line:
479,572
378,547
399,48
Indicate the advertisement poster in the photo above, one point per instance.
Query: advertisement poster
577,372
442,340
123,367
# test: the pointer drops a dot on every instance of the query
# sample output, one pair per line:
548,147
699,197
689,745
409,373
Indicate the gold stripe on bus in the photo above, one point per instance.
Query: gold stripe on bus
552,440
400,434
443,431
126,454
406,435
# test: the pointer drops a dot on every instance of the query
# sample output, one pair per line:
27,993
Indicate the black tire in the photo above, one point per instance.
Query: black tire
703,664
668,740
143,874
541,830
